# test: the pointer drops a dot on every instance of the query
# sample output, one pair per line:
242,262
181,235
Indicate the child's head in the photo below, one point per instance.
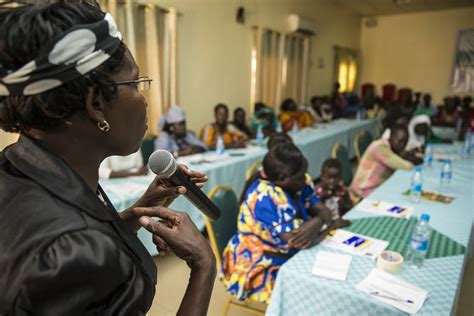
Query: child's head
398,138
278,139
286,167
331,173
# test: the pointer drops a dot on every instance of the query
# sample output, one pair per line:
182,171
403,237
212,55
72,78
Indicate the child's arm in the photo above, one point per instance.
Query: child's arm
345,203
320,210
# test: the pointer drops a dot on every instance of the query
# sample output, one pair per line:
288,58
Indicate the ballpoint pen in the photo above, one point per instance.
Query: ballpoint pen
391,297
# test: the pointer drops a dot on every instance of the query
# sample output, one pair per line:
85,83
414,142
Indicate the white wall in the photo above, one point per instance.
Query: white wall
414,50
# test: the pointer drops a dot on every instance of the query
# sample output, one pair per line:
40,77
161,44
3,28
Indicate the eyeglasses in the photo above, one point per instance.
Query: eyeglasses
142,83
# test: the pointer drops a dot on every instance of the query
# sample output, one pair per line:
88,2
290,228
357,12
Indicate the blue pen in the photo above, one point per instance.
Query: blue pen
391,298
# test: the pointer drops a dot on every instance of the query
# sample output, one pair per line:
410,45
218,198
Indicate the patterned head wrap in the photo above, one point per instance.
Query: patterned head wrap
73,54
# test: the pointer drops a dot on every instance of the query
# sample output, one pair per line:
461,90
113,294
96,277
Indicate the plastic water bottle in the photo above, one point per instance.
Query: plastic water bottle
278,128
446,175
294,130
359,114
419,241
428,155
416,185
467,142
458,125
259,137
220,148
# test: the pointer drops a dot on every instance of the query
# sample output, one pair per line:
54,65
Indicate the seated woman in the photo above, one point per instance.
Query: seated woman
280,215
233,138
448,114
379,161
123,166
290,115
467,117
175,138
264,117
320,110
240,122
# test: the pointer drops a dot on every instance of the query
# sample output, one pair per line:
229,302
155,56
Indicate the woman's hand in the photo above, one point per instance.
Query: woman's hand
196,176
176,232
179,234
306,235
160,193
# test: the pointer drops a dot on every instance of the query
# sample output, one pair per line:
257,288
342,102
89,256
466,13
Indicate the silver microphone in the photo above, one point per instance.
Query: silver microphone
163,164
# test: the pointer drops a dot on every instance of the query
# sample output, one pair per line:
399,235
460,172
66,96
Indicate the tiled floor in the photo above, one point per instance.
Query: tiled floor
173,277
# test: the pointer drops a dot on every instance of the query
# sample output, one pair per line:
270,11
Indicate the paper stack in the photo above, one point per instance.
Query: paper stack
393,291
332,265
355,244
384,208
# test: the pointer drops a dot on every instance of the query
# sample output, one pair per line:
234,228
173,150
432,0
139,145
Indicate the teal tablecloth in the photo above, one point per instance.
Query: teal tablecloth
446,132
316,144
298,292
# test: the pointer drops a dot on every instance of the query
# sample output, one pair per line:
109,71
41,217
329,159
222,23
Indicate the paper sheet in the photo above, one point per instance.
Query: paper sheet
443,155
202,158
393,291
332,265
355,244
384,208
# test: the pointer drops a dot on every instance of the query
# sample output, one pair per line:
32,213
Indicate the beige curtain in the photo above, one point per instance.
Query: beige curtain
295,68
150,33
265,66
279,67
345,68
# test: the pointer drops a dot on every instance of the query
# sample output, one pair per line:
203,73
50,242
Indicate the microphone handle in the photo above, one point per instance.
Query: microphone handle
195,195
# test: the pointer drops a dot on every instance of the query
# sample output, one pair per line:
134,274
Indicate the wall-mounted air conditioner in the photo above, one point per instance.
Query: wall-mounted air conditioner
297,23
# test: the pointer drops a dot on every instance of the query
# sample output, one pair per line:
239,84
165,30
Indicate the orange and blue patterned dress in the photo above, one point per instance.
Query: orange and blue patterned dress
256,252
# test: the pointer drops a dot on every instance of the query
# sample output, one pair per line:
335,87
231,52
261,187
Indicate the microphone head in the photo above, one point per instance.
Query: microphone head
162,163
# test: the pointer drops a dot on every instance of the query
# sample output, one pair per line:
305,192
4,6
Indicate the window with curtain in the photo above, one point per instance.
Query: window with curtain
279,67
150,33
346,66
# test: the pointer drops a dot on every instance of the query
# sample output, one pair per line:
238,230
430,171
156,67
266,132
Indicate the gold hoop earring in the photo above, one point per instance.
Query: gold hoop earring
104,126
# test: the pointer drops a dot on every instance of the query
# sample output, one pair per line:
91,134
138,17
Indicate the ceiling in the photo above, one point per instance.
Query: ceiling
388,7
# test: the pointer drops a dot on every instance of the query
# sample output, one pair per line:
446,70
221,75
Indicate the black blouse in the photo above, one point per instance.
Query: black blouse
62,251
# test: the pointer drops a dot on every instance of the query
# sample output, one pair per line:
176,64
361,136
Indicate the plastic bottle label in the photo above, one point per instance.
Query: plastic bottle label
416,188
446,175
420,245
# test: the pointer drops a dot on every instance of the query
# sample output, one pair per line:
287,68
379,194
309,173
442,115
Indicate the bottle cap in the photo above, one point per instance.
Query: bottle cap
425,217
418,168
448,161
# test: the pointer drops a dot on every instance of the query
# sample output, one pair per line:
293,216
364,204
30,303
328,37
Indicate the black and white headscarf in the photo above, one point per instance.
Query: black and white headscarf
73,54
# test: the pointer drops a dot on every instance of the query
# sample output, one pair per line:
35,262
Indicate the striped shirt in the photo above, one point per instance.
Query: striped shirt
377,165
210,133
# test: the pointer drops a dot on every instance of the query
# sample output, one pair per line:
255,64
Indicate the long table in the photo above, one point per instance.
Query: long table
298,292
315,143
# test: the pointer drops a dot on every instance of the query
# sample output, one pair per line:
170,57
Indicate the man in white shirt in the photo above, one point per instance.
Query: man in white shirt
123,166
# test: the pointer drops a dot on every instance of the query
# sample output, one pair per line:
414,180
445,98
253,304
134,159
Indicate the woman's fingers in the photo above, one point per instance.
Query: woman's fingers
299,238
195,176
161,245
158,211
170,191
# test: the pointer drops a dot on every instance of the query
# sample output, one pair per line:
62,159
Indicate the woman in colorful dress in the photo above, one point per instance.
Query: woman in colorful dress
280,214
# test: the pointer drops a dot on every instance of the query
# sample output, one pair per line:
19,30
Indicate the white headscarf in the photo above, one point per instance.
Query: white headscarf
174,115
414,140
